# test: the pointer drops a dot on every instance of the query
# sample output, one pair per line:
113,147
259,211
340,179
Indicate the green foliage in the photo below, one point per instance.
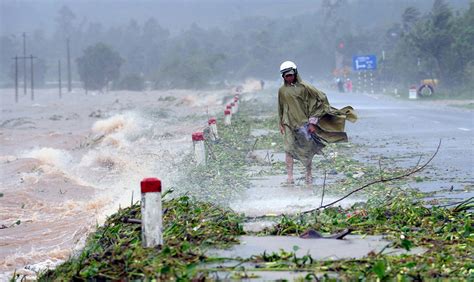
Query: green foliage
379,268
444,233
98,66
223,177
114,251
193,71
418,45
132,82
443,43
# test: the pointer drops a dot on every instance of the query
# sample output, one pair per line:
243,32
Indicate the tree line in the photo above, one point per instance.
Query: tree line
437,43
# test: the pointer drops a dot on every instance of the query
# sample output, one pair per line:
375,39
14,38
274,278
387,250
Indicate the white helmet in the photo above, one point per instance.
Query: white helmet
287,66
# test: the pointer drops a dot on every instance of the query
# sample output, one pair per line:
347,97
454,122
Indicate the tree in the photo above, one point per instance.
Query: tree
431,39
132,82
98,66
65,22
409,17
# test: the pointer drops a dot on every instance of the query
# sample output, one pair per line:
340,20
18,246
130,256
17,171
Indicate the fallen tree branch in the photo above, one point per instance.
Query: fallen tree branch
410,172
131,220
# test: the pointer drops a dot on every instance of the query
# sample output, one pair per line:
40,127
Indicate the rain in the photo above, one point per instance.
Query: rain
101,100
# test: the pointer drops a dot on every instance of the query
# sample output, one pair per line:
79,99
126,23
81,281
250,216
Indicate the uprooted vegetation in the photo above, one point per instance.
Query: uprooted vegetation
190,227
193,223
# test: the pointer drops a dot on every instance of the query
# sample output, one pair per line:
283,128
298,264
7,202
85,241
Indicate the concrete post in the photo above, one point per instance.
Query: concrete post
236,104
152,222
213,126
227,117
199,148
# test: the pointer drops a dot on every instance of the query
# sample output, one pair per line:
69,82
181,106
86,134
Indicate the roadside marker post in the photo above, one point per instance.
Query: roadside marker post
227,117
236,104
213,126
199,148
152,221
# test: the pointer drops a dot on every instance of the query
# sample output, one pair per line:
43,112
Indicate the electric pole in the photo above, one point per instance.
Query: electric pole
16,78
68,67
59,78
24,63
32,78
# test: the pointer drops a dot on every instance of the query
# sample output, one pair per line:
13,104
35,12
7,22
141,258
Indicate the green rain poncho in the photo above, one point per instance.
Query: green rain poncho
296,104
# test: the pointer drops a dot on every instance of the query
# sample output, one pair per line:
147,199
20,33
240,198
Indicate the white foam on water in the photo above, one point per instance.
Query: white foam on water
127,122
289,205
66,191
50,156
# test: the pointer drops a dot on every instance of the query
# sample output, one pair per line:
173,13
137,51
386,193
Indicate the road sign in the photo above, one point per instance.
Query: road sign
368,62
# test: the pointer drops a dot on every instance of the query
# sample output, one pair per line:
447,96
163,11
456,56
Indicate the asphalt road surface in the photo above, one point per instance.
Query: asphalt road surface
405,129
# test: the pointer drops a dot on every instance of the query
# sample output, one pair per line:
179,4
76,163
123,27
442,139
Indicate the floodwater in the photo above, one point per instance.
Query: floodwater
319,249
269,195
65,164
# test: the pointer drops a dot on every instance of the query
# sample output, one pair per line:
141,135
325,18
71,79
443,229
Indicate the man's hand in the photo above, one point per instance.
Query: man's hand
282,129
312,128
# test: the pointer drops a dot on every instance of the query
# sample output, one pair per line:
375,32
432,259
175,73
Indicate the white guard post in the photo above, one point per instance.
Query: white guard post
199,148
227,117
234,109
213,126
412,94
152,223
236,101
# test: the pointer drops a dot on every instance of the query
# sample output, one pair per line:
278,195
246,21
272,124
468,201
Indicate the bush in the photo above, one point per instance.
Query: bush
133,82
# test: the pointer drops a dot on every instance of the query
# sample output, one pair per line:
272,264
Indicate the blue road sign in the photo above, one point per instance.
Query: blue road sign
368,62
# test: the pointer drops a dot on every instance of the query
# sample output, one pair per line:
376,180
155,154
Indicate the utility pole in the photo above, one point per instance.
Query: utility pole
59,78
24,63
16,78
32,78
68,67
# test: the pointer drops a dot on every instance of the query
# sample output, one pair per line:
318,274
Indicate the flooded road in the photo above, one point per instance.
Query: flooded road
67,164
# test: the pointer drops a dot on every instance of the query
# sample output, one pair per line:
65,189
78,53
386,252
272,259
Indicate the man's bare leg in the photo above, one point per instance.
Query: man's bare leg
309,174
289,168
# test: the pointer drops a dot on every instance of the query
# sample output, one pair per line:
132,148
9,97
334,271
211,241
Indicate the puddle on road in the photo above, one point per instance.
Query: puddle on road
268,196
353,246
444,192
264,276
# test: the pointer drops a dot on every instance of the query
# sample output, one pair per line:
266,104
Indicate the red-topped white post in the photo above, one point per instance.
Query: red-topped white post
199,148
213,128
227,117
234,108
236,101
152,223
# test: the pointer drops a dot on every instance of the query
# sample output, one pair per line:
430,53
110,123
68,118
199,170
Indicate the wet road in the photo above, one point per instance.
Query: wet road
404,129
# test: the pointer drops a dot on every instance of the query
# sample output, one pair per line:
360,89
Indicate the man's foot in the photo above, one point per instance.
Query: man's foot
288,182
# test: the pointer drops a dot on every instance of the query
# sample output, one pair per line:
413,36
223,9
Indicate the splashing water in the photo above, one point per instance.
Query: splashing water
49,156
71,169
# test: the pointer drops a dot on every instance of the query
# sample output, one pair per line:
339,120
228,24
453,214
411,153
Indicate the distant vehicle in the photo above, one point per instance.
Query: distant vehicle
427,87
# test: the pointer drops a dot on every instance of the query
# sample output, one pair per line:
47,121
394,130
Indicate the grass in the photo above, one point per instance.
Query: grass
195,220
115,252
